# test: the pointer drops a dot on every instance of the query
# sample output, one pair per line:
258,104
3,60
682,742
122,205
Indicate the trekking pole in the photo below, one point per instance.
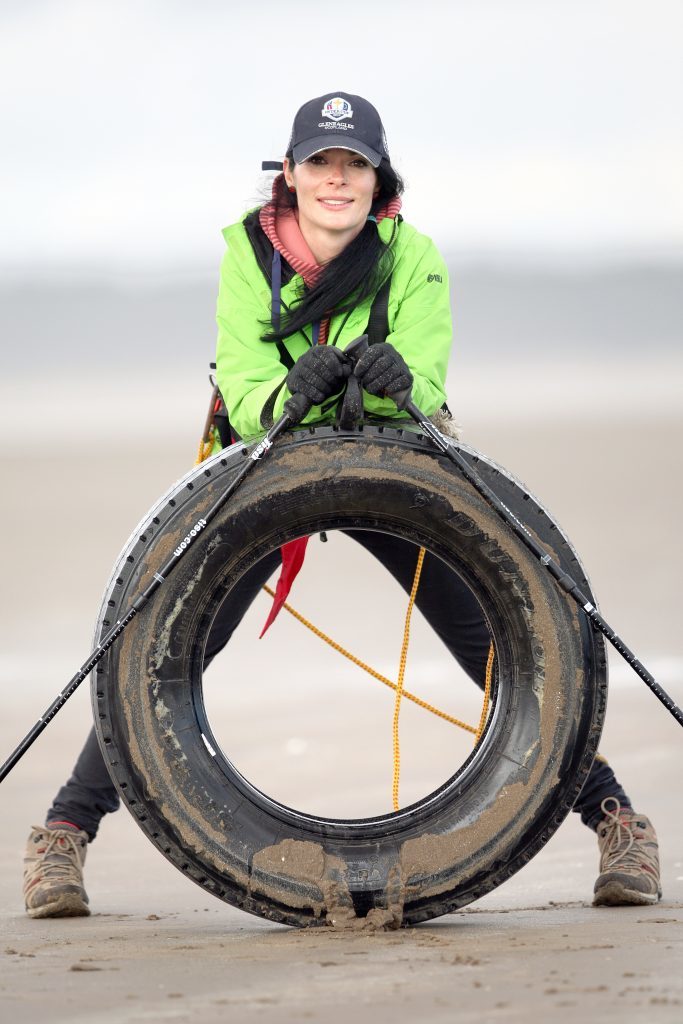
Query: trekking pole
404,402
295,409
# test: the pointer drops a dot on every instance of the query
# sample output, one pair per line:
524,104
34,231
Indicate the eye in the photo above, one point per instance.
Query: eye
359,162
317,158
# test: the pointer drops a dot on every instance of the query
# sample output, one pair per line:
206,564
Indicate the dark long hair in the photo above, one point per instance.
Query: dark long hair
357,272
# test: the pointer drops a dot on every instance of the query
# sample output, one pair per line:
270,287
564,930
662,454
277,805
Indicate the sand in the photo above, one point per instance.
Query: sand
157,948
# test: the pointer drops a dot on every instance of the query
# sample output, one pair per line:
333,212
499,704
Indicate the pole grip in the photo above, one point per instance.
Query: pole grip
297,407
402,398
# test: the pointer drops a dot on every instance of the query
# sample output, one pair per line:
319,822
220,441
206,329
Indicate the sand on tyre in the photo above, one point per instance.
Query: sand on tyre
473,831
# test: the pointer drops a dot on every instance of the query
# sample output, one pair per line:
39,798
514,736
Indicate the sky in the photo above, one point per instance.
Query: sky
131,132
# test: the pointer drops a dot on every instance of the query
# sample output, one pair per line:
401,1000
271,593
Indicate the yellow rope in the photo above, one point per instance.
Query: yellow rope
367,668
205,448
398,686
487,694
401,674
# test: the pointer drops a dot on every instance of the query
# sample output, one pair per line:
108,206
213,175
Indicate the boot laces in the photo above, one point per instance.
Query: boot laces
60,859
621,847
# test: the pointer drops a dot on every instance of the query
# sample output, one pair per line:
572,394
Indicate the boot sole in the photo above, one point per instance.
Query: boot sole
68,905
615,894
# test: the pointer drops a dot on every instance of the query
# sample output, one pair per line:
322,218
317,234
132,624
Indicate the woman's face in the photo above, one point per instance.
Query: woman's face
334,190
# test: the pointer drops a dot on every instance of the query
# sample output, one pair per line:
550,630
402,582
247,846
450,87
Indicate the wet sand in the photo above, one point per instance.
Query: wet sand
157,948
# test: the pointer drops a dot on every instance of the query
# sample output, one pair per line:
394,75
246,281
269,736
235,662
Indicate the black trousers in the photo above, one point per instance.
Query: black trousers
448,606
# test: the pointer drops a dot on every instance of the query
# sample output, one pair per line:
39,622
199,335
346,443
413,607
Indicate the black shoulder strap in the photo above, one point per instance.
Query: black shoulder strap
266,416
285,357
378,321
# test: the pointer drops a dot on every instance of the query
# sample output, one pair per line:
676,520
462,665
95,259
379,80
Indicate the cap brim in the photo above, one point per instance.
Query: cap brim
307,149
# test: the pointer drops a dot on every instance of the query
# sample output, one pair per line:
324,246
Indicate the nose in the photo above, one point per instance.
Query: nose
336,173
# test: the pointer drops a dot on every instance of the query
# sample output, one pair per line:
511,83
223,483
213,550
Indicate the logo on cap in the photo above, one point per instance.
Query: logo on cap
337,109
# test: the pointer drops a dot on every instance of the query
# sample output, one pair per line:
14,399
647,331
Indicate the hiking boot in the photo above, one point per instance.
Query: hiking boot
629,858
53,873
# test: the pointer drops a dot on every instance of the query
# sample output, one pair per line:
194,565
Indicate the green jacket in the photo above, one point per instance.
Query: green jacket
248,369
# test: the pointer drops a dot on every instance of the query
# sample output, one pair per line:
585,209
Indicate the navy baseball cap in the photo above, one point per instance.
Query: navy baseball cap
338,120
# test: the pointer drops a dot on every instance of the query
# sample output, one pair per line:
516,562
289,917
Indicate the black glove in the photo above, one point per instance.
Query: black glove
319,373
383,371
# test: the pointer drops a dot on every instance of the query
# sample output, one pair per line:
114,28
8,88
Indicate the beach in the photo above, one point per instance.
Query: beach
83,456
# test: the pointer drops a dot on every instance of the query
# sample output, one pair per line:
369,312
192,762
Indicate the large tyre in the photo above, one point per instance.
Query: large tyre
462,840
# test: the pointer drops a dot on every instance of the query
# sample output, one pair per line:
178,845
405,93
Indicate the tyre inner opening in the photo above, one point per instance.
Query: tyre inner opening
304,727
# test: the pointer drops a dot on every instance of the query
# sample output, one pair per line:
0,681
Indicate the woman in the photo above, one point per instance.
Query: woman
327,259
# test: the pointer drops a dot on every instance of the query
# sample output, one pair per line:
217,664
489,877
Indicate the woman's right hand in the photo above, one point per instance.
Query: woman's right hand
319,373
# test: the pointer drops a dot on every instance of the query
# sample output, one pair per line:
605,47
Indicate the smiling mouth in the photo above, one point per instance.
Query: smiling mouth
335,204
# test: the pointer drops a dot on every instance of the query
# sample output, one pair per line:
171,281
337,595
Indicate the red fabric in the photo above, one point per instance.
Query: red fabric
292,240
292,559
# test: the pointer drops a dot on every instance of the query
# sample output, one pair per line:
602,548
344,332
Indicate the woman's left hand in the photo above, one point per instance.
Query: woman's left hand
382,370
